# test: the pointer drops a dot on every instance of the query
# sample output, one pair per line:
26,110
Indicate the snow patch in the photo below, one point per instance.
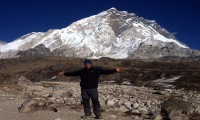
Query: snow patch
166,82
164,39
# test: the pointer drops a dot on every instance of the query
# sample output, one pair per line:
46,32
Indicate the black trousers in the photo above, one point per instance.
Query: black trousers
88,94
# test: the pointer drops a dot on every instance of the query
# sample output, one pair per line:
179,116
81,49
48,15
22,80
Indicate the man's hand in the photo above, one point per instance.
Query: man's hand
61,73
119,69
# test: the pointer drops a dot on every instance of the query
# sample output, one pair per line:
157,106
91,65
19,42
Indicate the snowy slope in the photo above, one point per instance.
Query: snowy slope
19,43
111,33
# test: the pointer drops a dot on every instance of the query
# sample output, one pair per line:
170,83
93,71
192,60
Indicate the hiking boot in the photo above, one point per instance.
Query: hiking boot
99,117
86,117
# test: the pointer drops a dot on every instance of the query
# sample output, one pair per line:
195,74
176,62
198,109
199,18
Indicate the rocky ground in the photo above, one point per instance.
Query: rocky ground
31,90
61,101
9,111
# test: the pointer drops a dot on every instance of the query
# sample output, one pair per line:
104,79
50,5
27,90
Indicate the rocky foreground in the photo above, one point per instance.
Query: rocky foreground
54,100
145,90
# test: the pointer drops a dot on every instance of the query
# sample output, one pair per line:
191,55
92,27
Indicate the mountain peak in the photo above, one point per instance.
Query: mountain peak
115,11
112,9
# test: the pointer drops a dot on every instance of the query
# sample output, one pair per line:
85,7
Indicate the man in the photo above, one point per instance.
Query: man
89,76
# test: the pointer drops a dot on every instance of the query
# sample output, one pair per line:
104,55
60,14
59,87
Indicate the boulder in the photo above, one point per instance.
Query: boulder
176,109
34,105
28,106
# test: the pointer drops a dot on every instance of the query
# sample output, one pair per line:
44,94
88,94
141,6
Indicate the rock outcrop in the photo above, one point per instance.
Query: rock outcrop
38,51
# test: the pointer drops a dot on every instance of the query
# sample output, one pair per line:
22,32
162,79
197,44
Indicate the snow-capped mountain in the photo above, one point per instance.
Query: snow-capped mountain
111,33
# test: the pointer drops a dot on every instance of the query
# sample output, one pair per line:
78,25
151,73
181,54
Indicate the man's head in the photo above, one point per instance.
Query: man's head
87,63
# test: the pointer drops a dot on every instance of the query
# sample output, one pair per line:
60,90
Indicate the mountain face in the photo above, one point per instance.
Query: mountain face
112,33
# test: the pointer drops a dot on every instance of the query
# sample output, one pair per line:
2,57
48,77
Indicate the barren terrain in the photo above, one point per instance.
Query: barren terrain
36,78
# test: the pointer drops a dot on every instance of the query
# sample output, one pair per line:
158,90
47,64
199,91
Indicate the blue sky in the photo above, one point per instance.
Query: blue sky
20,17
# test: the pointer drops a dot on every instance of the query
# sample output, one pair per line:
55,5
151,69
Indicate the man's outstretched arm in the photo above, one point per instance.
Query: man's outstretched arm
110,71
75,73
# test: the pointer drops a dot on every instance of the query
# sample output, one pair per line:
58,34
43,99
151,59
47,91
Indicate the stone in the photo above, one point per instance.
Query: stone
59,93
148,104
135,111
32,105
110,102
135,105
102,102
123,108
27,106
128,105
11,98
67,94
143,110
119,102
70,101
145,116
156,116
52,99
175,108
113,116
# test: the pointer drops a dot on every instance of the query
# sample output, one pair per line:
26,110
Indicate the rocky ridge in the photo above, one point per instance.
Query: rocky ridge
38,51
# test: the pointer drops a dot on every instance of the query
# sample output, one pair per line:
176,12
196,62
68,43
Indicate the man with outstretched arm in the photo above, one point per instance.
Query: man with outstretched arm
89,76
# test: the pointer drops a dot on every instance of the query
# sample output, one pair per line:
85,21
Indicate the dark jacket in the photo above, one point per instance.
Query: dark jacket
89,77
